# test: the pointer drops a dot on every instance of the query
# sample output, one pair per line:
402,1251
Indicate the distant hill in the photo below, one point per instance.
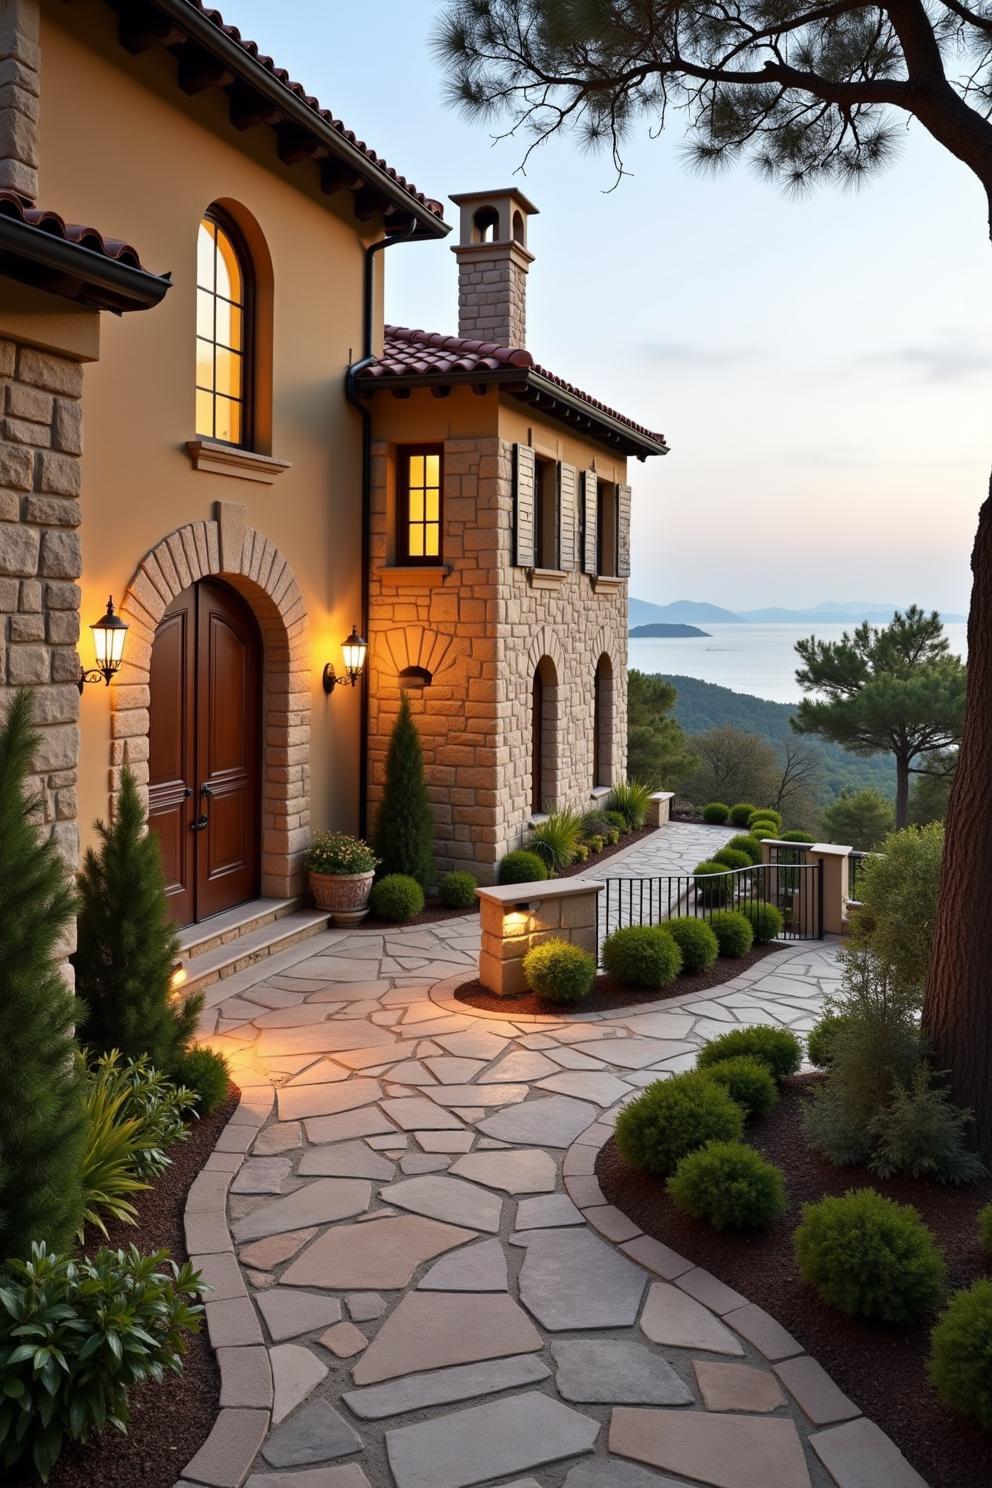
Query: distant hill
667,631
704,705
691,611
681,612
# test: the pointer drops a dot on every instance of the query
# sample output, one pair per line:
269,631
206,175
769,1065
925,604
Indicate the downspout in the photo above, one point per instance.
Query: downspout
365,413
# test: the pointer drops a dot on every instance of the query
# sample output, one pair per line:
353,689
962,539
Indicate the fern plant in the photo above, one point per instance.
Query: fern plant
556,840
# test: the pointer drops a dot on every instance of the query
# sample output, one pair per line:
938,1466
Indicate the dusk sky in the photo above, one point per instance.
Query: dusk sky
821,367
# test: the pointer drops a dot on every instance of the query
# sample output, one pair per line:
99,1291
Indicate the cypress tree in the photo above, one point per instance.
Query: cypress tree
128,945
405,827
42,1118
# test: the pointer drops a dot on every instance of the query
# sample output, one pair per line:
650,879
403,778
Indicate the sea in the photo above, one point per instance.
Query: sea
756,659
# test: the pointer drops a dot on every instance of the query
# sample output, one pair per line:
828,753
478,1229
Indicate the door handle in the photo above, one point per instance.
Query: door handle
202,821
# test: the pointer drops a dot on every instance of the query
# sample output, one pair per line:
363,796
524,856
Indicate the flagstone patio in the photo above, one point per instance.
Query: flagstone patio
432,1292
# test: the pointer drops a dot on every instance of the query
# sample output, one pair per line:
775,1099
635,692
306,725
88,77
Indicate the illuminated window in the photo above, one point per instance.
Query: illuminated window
222,334
421,473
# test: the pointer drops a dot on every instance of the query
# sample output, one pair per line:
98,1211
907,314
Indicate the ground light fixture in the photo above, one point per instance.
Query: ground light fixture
109,634
354,648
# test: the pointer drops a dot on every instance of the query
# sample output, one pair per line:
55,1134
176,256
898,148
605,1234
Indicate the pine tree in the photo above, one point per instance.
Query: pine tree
127,944
405,825
42,1119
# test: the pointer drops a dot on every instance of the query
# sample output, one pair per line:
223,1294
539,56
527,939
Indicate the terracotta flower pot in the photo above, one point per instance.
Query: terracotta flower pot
344,895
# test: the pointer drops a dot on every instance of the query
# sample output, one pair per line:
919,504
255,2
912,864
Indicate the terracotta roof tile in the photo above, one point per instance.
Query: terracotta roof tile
12,205
411,353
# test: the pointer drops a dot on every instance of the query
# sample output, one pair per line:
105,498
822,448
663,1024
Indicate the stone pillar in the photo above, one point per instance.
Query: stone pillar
660,809
835,879
516,917
20,60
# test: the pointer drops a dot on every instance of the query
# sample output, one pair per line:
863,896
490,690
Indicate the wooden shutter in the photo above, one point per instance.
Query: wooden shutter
523,506
567,488
589,522
623,531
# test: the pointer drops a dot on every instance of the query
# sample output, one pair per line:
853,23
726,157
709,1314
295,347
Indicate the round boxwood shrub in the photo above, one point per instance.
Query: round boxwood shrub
715,813
819,1040
733,932
761,830
961,1353
642,956
747,1081
766,920
985,1228
747,845
796,837
714,884
520,867
559,971
397,897
732,857
741,813
457,890
696,941
673,1117
776,1048
763,814
729,1184
206,1073
870,1257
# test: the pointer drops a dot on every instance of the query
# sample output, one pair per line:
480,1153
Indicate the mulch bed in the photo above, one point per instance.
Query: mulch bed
608,994
629,839
431,914
882,1369
169,1422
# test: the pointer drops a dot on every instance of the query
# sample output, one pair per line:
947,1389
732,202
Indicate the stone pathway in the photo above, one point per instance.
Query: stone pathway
417,1282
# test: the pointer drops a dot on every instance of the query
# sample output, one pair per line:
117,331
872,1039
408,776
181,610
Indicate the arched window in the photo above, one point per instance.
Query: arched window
223,332
602,723
544,737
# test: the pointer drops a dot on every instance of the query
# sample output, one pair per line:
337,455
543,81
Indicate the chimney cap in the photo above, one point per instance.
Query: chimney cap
464,198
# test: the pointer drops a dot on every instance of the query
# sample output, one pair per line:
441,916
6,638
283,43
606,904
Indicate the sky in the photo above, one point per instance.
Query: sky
821,367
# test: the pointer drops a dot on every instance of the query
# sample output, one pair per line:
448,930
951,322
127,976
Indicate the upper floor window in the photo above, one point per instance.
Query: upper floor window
223,332
547,514
608,528
419,488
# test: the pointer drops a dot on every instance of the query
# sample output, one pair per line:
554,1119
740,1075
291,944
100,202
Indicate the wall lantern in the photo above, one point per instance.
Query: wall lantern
109,633
354,649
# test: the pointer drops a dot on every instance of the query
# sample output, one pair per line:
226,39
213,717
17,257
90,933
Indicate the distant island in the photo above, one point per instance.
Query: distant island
691,612
667,631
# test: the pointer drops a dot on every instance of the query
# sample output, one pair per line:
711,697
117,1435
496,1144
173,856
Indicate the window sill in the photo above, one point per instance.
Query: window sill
422,575
537,818
546,578
226,459
606,583
599,791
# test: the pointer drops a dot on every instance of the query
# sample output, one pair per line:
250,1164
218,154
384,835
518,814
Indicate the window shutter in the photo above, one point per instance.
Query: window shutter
590,523
523,505
623,531
567,484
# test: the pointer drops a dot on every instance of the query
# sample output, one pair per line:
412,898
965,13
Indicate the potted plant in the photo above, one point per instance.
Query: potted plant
340,869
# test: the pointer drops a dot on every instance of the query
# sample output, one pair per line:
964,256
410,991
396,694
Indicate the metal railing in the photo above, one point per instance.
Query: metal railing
855,863
790,882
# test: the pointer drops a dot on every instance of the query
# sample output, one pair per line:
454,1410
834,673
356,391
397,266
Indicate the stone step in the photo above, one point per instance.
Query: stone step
228,957
232,924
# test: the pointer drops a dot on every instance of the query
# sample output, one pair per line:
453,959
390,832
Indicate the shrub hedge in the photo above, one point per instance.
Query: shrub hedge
777,1048
457,890
740,814
732,857
870,1257
397,897
520,867
748,1081
559,971
715,813
765,813
696,941
673,1117
713,882
961,1353
733,932
642,956
747,845
766,920
730,1185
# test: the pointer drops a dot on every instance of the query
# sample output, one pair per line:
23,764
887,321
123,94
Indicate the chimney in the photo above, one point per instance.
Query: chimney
20,60
492,266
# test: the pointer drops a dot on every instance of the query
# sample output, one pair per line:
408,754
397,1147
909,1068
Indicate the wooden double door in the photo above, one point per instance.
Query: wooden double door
205,750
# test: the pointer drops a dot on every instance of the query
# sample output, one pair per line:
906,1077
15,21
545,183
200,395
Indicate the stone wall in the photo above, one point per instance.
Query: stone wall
40,445
492,293
20,59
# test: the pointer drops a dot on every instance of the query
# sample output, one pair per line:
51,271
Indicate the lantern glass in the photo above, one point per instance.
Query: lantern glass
109,633
354,649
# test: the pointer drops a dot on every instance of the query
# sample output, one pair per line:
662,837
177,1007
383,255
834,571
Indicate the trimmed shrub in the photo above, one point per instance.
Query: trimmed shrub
819,1040
673,1117
741,813
397,897
732,857
555,840
206,1073
961,1353
766,920
762,830
642,956
76,1336
696,941
404,827
777,1048
746,845
521,867
457,890
806,837
765,814
748,1081
715,813
870,1257
559,971
630,800
714,884
730,1185
985,1228
733,932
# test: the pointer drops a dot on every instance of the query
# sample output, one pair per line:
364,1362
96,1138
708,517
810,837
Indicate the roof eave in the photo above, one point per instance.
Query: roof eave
76,272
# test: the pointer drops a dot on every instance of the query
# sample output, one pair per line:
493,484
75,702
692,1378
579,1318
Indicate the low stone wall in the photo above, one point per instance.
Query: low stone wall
516,917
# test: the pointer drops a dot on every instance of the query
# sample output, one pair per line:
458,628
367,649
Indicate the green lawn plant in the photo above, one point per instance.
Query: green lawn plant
961,1353
870,1257
777,1048
397,898
630,800
520,866
642,956
404,830
457,890
733,932
696,941
730,1185
127,944
555,839
559,971
675,1116
77,1335
748,1081
42,1115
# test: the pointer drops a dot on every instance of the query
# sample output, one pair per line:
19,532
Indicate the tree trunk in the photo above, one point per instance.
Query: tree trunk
957,1013
902,790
